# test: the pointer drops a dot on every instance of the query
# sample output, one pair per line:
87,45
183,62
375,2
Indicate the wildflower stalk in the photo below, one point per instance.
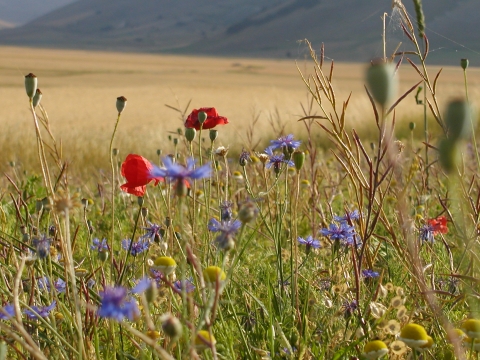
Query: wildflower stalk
474,138
112,230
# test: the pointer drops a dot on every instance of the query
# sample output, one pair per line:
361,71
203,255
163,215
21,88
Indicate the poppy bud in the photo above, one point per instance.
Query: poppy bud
247,212
31,85
458,118
171,326
213,135
121,103
202,116
37,98
103,256
159,152
411,126
115,151
298,159
179,131
140,201
448,154
175,141
382,82
190,134
144,212
464,63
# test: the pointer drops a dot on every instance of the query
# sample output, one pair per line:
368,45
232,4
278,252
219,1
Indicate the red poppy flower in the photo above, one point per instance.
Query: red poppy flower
136,169
213,119
439,225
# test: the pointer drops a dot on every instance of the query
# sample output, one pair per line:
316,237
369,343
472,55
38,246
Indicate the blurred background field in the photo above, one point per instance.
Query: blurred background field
80,88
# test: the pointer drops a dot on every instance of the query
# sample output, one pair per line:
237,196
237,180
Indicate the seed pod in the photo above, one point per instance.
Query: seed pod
411,126
171,326
448,155
298,159
31,85
213,134
202,116
464,63
37,98
457,119
121,103
190,134
382,82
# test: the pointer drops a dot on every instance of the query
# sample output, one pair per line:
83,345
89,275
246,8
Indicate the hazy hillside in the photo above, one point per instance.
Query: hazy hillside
21,11
350,29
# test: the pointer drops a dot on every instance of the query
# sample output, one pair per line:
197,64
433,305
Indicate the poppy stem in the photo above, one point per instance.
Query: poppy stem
112,233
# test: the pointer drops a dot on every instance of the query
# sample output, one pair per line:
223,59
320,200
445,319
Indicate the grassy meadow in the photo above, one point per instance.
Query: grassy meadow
134,230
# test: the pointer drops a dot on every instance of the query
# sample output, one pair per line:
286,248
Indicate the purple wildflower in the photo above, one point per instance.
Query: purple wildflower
227,230
244,158
7,312
285,143
99,245
42,311
142,285
427,233
349,308
60,286
179,173
186,285
115,304
349,216
343,233
226,212
44,284
276,160
135,248
310,242
42,246
157,276
369,274
154,232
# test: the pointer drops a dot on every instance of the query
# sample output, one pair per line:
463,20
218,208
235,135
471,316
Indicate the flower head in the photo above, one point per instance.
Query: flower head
438,225
343,233
7,312
471,327
414,335
212,274
226,212
99,245
276,160
165,264
349,216
227,230
136,247
204,340
244,158
136,170
153,232
375,349
115,304
42,311
285,143
310,242
369,274
42,246
187,285
213,119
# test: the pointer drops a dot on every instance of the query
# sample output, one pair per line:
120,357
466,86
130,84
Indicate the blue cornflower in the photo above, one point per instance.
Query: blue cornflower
60,286
370,274
285,142
350,308
227,230
276,160
427,233
226,212
186,284
179,173
244,158
343,233
153,232
115,304
142,285
43,311
99,245
310,242
42,246
7,312
157,275
352,216
137,247
44,284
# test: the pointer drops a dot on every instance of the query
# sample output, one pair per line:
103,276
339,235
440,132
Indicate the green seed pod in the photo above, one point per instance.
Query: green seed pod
159,152
298,159
171,326
103,255
248,212
190,134
213,135
411,126
448,155
140,201
31,85
121,103
144,212
382,82
115,151
202,116
175,141
37,98
457,119
151,293
179,131
464,63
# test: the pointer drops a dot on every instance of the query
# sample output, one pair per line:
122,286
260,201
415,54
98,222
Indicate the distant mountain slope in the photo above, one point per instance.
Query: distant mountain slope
350,29
21,11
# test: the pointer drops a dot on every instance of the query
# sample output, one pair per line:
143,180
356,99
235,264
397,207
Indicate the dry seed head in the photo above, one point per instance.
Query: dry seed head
121,103
37,98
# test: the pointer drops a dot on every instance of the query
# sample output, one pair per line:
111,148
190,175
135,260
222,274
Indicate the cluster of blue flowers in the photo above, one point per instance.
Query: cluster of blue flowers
35,312
44,284
227,230
116,304
343,233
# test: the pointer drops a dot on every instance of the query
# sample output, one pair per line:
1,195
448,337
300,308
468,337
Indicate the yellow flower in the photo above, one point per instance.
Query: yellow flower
164,264
428,345
375,349
153,334
414,335
471,327
212,274
203,340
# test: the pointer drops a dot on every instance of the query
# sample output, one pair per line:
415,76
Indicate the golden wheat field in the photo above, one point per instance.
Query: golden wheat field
80,89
